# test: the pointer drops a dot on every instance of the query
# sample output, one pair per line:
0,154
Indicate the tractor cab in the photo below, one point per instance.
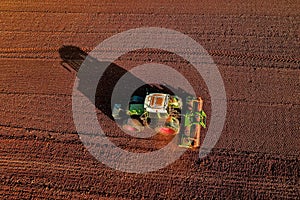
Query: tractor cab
156,104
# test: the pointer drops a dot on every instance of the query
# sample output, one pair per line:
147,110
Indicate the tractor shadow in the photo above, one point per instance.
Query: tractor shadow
73,58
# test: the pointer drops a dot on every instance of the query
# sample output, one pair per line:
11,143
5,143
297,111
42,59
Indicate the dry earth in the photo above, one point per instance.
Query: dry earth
256,48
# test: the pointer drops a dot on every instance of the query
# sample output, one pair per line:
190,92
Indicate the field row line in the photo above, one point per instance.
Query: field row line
231,180
293,63
213,52
229,100
217,152
23,164
200,34
183,51
145,13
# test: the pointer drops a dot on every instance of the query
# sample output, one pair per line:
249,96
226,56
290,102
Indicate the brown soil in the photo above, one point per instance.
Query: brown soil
256,47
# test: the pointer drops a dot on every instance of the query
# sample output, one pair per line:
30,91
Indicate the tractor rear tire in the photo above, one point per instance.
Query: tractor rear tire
133,125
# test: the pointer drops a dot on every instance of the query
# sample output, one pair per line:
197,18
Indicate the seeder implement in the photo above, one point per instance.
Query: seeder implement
194,119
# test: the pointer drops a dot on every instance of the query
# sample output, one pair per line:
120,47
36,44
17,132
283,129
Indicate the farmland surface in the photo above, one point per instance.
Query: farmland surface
256,47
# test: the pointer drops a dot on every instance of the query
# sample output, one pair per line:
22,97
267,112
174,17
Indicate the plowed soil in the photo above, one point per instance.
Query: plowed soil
255,46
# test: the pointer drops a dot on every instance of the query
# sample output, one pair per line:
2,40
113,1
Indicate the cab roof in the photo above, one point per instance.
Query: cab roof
156,103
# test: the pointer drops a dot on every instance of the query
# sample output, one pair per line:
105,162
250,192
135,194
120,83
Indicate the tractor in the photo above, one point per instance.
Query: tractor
162,112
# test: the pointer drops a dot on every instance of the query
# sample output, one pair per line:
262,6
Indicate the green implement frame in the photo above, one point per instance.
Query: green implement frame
194,119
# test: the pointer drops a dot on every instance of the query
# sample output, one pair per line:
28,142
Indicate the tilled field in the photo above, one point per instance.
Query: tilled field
256,48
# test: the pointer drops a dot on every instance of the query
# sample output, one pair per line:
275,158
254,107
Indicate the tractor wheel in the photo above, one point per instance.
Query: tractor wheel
171,127
166,130
133,125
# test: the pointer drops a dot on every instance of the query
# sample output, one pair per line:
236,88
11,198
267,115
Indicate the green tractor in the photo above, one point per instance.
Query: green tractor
162,113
